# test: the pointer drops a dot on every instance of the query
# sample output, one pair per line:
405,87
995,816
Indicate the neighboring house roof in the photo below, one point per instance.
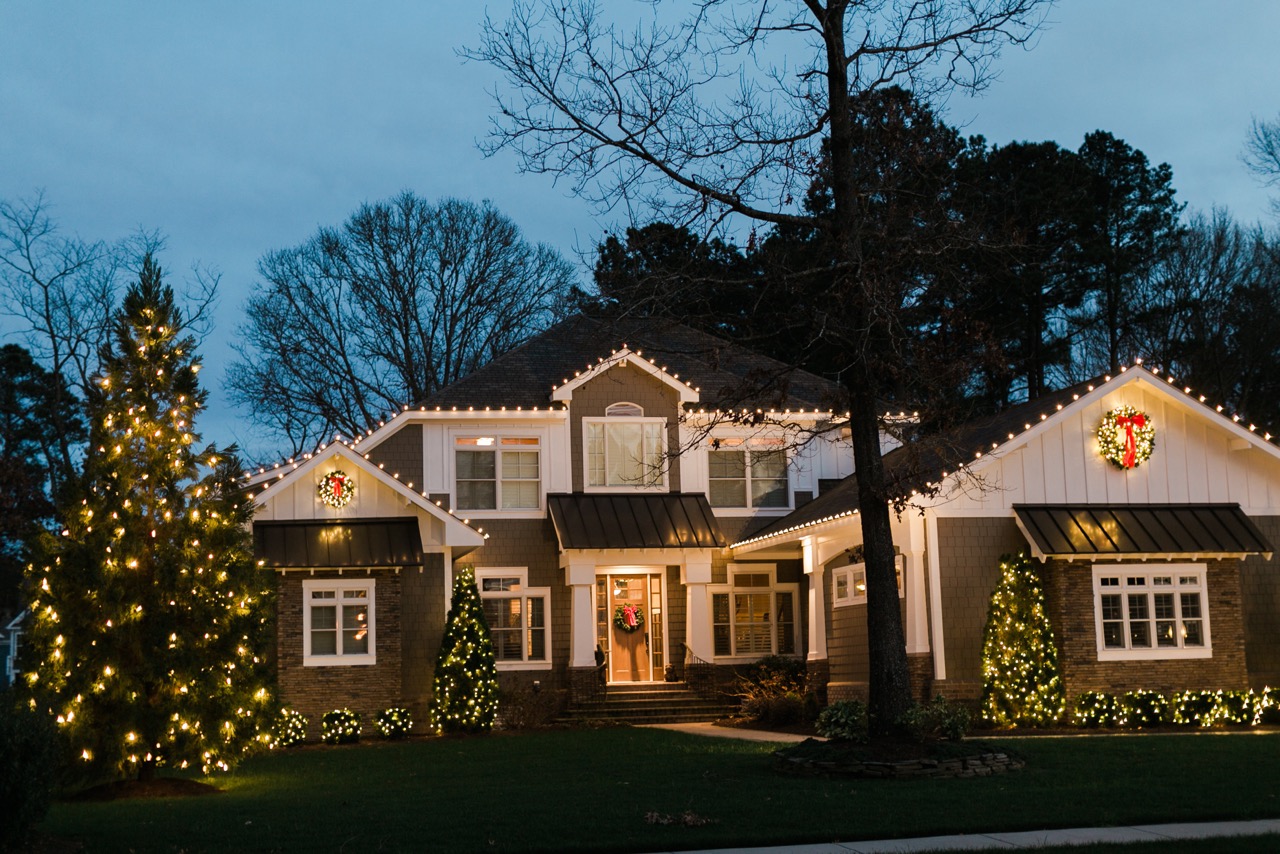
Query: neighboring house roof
351,542
621,521
921,465
1117,531
727,375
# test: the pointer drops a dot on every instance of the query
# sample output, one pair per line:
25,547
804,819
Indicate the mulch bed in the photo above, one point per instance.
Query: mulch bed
895,758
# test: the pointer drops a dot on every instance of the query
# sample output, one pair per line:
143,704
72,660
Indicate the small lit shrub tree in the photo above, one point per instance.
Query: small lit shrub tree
1021,680
465,698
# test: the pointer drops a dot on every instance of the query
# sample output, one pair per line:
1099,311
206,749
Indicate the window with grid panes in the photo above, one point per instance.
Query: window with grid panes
497,473
1145,612
624,449
517,616
744,473
753,616
338,624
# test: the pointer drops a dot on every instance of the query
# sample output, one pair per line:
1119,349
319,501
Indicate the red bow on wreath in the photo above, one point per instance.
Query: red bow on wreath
629,616
1128,422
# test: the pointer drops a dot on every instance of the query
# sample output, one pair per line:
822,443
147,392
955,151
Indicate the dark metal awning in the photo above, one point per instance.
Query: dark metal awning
358,542
654,521
1141,531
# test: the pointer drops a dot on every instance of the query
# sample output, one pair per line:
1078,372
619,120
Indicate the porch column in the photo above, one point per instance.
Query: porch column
817,600
696,574
580,575
917,606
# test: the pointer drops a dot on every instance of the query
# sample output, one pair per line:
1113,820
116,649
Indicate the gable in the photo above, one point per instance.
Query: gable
1200,456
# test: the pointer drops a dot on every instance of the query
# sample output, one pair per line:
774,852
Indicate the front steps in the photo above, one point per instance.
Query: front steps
645,703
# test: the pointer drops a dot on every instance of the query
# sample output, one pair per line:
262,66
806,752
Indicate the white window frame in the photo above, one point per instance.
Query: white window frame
524,593
1123,573
774,588
855,578
658,485
748,447
494,446
338,585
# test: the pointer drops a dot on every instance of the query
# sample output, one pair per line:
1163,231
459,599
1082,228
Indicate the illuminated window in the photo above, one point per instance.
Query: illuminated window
338,622
1144,612
748,473
519,618
753,615
849,583
624,449
497,473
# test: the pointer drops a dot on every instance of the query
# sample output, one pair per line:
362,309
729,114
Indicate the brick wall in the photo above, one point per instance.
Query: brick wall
1069,595
401,453
1260,589
619,385
364,689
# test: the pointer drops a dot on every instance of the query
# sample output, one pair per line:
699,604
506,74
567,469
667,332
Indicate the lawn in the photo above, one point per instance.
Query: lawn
590,790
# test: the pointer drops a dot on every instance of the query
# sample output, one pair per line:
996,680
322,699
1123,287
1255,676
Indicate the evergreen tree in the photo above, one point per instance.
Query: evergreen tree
150,627
1021,682
466,683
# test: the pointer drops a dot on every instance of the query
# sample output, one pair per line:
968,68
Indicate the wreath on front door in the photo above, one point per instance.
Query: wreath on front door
629,618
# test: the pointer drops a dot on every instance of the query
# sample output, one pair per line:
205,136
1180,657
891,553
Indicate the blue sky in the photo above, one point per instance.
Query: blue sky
236,127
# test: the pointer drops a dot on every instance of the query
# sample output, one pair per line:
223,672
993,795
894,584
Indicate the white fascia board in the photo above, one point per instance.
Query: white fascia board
687,393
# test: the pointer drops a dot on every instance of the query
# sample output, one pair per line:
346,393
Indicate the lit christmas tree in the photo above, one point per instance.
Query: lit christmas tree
150,619
1021,682
465,695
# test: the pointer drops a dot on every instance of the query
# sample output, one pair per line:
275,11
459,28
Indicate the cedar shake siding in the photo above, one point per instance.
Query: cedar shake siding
1069,595
848,651
1260,589
365,689
423,597
624,384
401,454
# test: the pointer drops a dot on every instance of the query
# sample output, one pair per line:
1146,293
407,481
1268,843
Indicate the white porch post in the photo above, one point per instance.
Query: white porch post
696,573
914,586
580,575
817,600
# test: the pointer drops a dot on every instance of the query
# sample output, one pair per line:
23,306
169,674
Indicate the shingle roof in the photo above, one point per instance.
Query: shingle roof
728,375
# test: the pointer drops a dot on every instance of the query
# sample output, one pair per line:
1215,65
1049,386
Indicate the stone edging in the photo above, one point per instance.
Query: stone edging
978,765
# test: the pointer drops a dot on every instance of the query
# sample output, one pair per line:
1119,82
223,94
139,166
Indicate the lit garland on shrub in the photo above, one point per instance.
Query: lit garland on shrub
629,618
337,489
394,723
1183,708
1126,437
1021,682
341,726
465,697
290,729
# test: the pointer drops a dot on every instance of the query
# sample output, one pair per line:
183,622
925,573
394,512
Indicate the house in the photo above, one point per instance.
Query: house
10,639
638,496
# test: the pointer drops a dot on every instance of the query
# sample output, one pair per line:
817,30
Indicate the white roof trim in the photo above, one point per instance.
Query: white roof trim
625,356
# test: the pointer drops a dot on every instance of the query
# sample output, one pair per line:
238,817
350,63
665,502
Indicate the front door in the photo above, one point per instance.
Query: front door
630,624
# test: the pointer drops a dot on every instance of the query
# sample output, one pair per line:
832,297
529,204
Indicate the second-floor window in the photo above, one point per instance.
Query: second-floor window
624,449
497,473
745,473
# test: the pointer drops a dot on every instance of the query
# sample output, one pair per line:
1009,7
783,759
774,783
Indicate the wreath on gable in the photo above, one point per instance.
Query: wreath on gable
629,618
337,488
1126,437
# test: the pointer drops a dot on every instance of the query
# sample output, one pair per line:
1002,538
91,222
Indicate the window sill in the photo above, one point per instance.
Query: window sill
338,660
523,665
1154,654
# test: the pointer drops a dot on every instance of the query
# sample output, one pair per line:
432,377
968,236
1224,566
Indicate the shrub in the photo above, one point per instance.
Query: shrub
1097,709
28,766
936,720
1194,708
1268,710
341,726
290,729
775,711
526,709
393,723
1144,708
772,690
844,720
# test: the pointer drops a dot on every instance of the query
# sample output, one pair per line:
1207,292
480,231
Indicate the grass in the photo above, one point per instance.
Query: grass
590,790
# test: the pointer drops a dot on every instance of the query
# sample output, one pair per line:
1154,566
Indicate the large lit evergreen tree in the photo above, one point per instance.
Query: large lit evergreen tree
1021,681
151,621
465,697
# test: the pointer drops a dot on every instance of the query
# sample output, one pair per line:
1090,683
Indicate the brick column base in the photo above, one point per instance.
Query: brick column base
817,674
920,672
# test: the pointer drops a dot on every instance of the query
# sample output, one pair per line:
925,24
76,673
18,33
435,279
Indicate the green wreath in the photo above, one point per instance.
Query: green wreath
337,489
1126,437
629,618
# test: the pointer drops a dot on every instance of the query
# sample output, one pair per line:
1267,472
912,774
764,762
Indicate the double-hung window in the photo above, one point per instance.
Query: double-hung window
519,618
338,622
849,583
753,615
625,449
748,473
497,473
1141,612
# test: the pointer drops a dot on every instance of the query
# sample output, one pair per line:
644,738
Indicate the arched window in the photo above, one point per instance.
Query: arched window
624,410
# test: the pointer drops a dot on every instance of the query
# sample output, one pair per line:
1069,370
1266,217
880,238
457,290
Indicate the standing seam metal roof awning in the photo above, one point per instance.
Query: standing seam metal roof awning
354,543
1140,531
648,521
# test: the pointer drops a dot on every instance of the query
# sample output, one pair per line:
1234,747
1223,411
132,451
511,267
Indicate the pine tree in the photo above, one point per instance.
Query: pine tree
1021,681
466,682
151,621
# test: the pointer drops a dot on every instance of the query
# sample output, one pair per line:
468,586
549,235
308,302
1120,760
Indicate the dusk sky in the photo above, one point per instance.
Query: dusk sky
236,128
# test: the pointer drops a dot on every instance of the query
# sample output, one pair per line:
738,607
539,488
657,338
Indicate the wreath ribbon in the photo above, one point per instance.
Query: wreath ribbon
1128,422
